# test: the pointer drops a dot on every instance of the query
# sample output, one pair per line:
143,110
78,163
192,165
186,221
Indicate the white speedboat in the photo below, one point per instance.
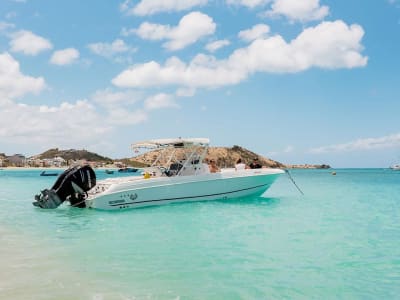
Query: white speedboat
395,167
178,174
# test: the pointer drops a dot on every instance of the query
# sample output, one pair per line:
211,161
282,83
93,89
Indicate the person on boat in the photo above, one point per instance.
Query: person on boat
255,164
240,165
213,166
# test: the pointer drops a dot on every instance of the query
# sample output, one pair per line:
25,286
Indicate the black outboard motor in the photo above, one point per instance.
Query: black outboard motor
71,185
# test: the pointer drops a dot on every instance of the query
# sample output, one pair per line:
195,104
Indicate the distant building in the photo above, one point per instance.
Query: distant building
58,161
34,162
78,162
2,159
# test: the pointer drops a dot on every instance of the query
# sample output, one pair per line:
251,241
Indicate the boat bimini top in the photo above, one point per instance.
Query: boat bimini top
175,157
177,143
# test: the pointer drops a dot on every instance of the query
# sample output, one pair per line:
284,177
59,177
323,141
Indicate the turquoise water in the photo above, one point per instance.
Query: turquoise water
341,240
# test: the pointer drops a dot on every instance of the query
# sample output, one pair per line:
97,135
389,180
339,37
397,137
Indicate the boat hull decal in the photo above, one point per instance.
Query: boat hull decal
192,197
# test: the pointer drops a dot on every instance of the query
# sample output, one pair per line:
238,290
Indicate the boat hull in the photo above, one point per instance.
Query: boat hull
165,190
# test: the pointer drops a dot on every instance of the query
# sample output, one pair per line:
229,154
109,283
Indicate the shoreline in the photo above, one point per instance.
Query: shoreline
291,167
49,168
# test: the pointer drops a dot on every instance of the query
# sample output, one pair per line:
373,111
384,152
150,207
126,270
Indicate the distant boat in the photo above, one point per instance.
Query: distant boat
48,174
395,167
109,172
128,170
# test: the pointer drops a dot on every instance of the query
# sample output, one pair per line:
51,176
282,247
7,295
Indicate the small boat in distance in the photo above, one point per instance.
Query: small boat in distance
395,167
48,174
182,177
109,172
128,170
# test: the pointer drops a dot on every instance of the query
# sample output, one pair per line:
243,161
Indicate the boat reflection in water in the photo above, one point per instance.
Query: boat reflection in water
127,170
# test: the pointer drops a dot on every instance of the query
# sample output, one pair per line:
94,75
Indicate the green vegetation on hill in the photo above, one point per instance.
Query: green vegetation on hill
73,154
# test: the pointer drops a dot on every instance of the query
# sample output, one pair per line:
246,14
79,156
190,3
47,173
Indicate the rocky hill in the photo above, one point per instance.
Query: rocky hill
73,154
224,156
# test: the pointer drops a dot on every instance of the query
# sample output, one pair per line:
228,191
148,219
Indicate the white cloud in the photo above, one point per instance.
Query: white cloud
185,92
149,7
198,73
191,28
29,43
328,45
248,3
13,83
214,46
390,141
64,57
109,50
4,26
109,98
295,10
124,6
52,125
159,101
127,32
121,116
151,31
119,106
256,32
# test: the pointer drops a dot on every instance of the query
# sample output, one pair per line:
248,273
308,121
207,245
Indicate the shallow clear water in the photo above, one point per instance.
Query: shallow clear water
339,241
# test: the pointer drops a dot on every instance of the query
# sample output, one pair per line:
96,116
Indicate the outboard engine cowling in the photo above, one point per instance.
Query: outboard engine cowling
71,185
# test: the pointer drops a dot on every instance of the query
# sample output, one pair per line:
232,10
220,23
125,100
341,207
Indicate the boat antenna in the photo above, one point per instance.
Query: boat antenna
294,182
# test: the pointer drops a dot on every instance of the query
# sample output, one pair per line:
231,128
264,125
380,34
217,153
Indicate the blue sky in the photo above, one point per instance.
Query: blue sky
309,81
